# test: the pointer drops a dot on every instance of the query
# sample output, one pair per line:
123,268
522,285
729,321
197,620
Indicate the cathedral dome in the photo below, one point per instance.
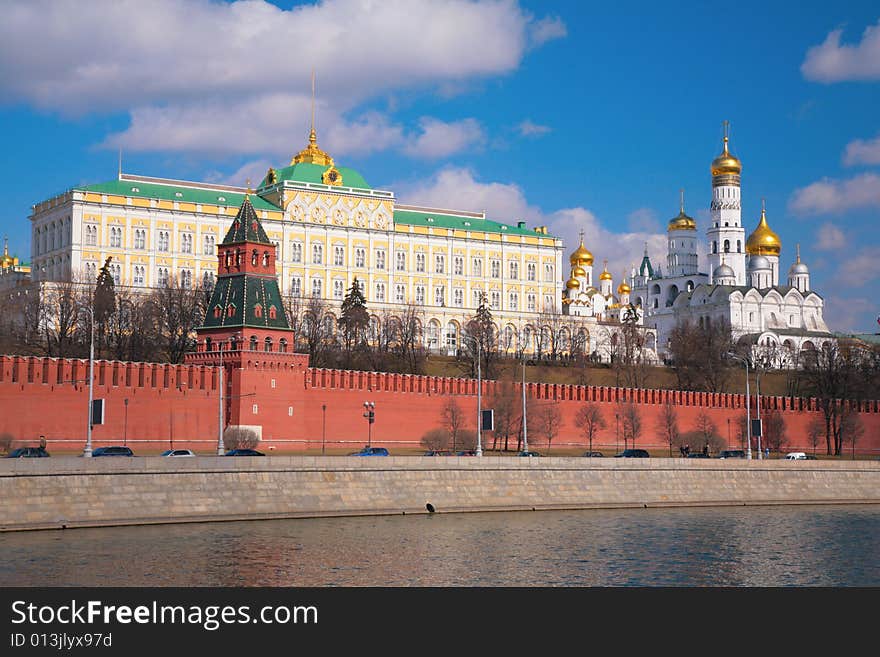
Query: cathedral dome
581,256
763,241
758,262
726,164
578,271
723,271
623,288
682,222
572,284
798,268
605,275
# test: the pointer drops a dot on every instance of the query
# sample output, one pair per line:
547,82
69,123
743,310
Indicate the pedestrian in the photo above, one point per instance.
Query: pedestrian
706,449
42,442
687,450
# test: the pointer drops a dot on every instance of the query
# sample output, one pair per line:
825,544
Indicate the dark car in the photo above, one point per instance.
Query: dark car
28,453
371,451
633,453
436,452
467,452
244,452
529,454
592,454
114,450
698,455
731,454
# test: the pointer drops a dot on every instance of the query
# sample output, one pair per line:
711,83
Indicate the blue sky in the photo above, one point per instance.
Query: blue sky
574,115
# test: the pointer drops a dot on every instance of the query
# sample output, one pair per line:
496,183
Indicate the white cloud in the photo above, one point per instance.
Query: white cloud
830,238
836,196
860,268
439,139
529,129
831,62
457,188
855,315
643,219
546,29
862,152
253,171
235,77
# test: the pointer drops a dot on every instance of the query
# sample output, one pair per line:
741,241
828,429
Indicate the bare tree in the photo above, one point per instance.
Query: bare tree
773,429
409,347
64,305
240,438
815,432
435,439
629,353
632,422
547,420
453,419
706,432
178,310
851,429
508,411
699,355
314,334
668,425
590,420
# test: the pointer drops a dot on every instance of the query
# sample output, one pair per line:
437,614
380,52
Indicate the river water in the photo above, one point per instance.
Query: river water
728,546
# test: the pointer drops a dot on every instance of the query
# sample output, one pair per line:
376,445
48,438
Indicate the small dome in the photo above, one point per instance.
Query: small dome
572,284
723,271
624,288
763,241
605,276
758,262
798,268
682,222
726,164
578,271
581,256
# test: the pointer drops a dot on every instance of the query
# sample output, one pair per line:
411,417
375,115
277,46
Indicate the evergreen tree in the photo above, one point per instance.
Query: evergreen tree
355,319
105,294
481,331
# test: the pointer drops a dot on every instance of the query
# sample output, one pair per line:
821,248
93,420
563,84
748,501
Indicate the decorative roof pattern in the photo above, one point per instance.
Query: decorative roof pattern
246,226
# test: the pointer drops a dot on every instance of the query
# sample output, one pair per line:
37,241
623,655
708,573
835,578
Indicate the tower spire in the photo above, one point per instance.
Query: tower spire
681,202
312,154
798,247
726,133
313,136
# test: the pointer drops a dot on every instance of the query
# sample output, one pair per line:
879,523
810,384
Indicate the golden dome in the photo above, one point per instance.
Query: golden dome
605,275
763,241
6,260
682,222
572,284
726,164
624,288
312,154
581,256
578,271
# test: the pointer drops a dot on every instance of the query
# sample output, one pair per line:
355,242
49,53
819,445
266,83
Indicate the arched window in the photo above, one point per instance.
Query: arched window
714,246
273,312
230,310
282,345
208,345
727,246
268,345
218,311
265,258
739,246
258,311
254,257
253,343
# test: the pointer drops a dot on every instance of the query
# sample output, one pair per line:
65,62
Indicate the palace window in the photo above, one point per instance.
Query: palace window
296,251
316,287
458,297
439,296
549,305
317,254
163,240
400,259
380,258
338,290
339,256
530,303
514,270
477,296
138,275
496,268
140,238
186,278
360,256
115,237
420,262
513,301
495,300
439,263
458,265
186,243
530,271
380,292
420,295
116,271
548,273
207,280
162,276
477,267
296,286
91,235
400,293
208,246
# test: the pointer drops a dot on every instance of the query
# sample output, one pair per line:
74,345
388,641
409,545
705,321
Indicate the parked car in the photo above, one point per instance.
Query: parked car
592,454
796,456
698,455
371,451
633,453
244,452
438,452
178,452
530,454
467,452
113,450
731,454
27,453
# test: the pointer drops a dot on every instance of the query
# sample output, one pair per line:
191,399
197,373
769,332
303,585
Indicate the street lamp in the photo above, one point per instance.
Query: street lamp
370,414
323,427
617,432
88,448
745,361
525,422
125,424
479,451
221,448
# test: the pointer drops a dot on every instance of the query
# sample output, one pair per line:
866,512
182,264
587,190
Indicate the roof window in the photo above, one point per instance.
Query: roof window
135,189
178,194
431,220
467,223
221,198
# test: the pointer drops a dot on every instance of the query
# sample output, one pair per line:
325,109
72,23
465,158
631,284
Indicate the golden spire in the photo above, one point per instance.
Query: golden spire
605,275
312,153
681,200
682,221
624,287
726,164
581,256
763,241
7,260
798,247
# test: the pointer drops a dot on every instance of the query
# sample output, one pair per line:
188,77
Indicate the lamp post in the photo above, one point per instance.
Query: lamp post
323,427
745,361
728,433
221,448
125,424
617,432
758,410
479,451
525,422
370,414
88,448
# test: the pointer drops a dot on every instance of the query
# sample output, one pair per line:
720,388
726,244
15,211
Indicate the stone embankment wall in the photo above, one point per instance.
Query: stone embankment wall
72,492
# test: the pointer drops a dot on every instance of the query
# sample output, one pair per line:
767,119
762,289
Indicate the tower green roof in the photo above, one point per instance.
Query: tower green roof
246,226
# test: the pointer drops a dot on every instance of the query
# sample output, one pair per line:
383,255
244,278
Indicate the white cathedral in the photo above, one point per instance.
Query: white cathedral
742,285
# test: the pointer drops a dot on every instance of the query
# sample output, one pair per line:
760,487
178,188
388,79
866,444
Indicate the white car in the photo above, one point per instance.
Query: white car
796,456
178,452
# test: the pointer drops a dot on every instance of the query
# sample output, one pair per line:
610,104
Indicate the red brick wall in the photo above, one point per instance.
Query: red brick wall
179,403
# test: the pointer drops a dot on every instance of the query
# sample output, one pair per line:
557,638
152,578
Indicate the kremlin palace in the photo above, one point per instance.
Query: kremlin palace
329,227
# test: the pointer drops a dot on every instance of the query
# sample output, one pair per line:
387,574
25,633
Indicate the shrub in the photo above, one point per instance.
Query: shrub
6,440
438,438
240,438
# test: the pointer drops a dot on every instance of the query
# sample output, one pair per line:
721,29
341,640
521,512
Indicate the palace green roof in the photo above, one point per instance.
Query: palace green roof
313,173
138,189
459,222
